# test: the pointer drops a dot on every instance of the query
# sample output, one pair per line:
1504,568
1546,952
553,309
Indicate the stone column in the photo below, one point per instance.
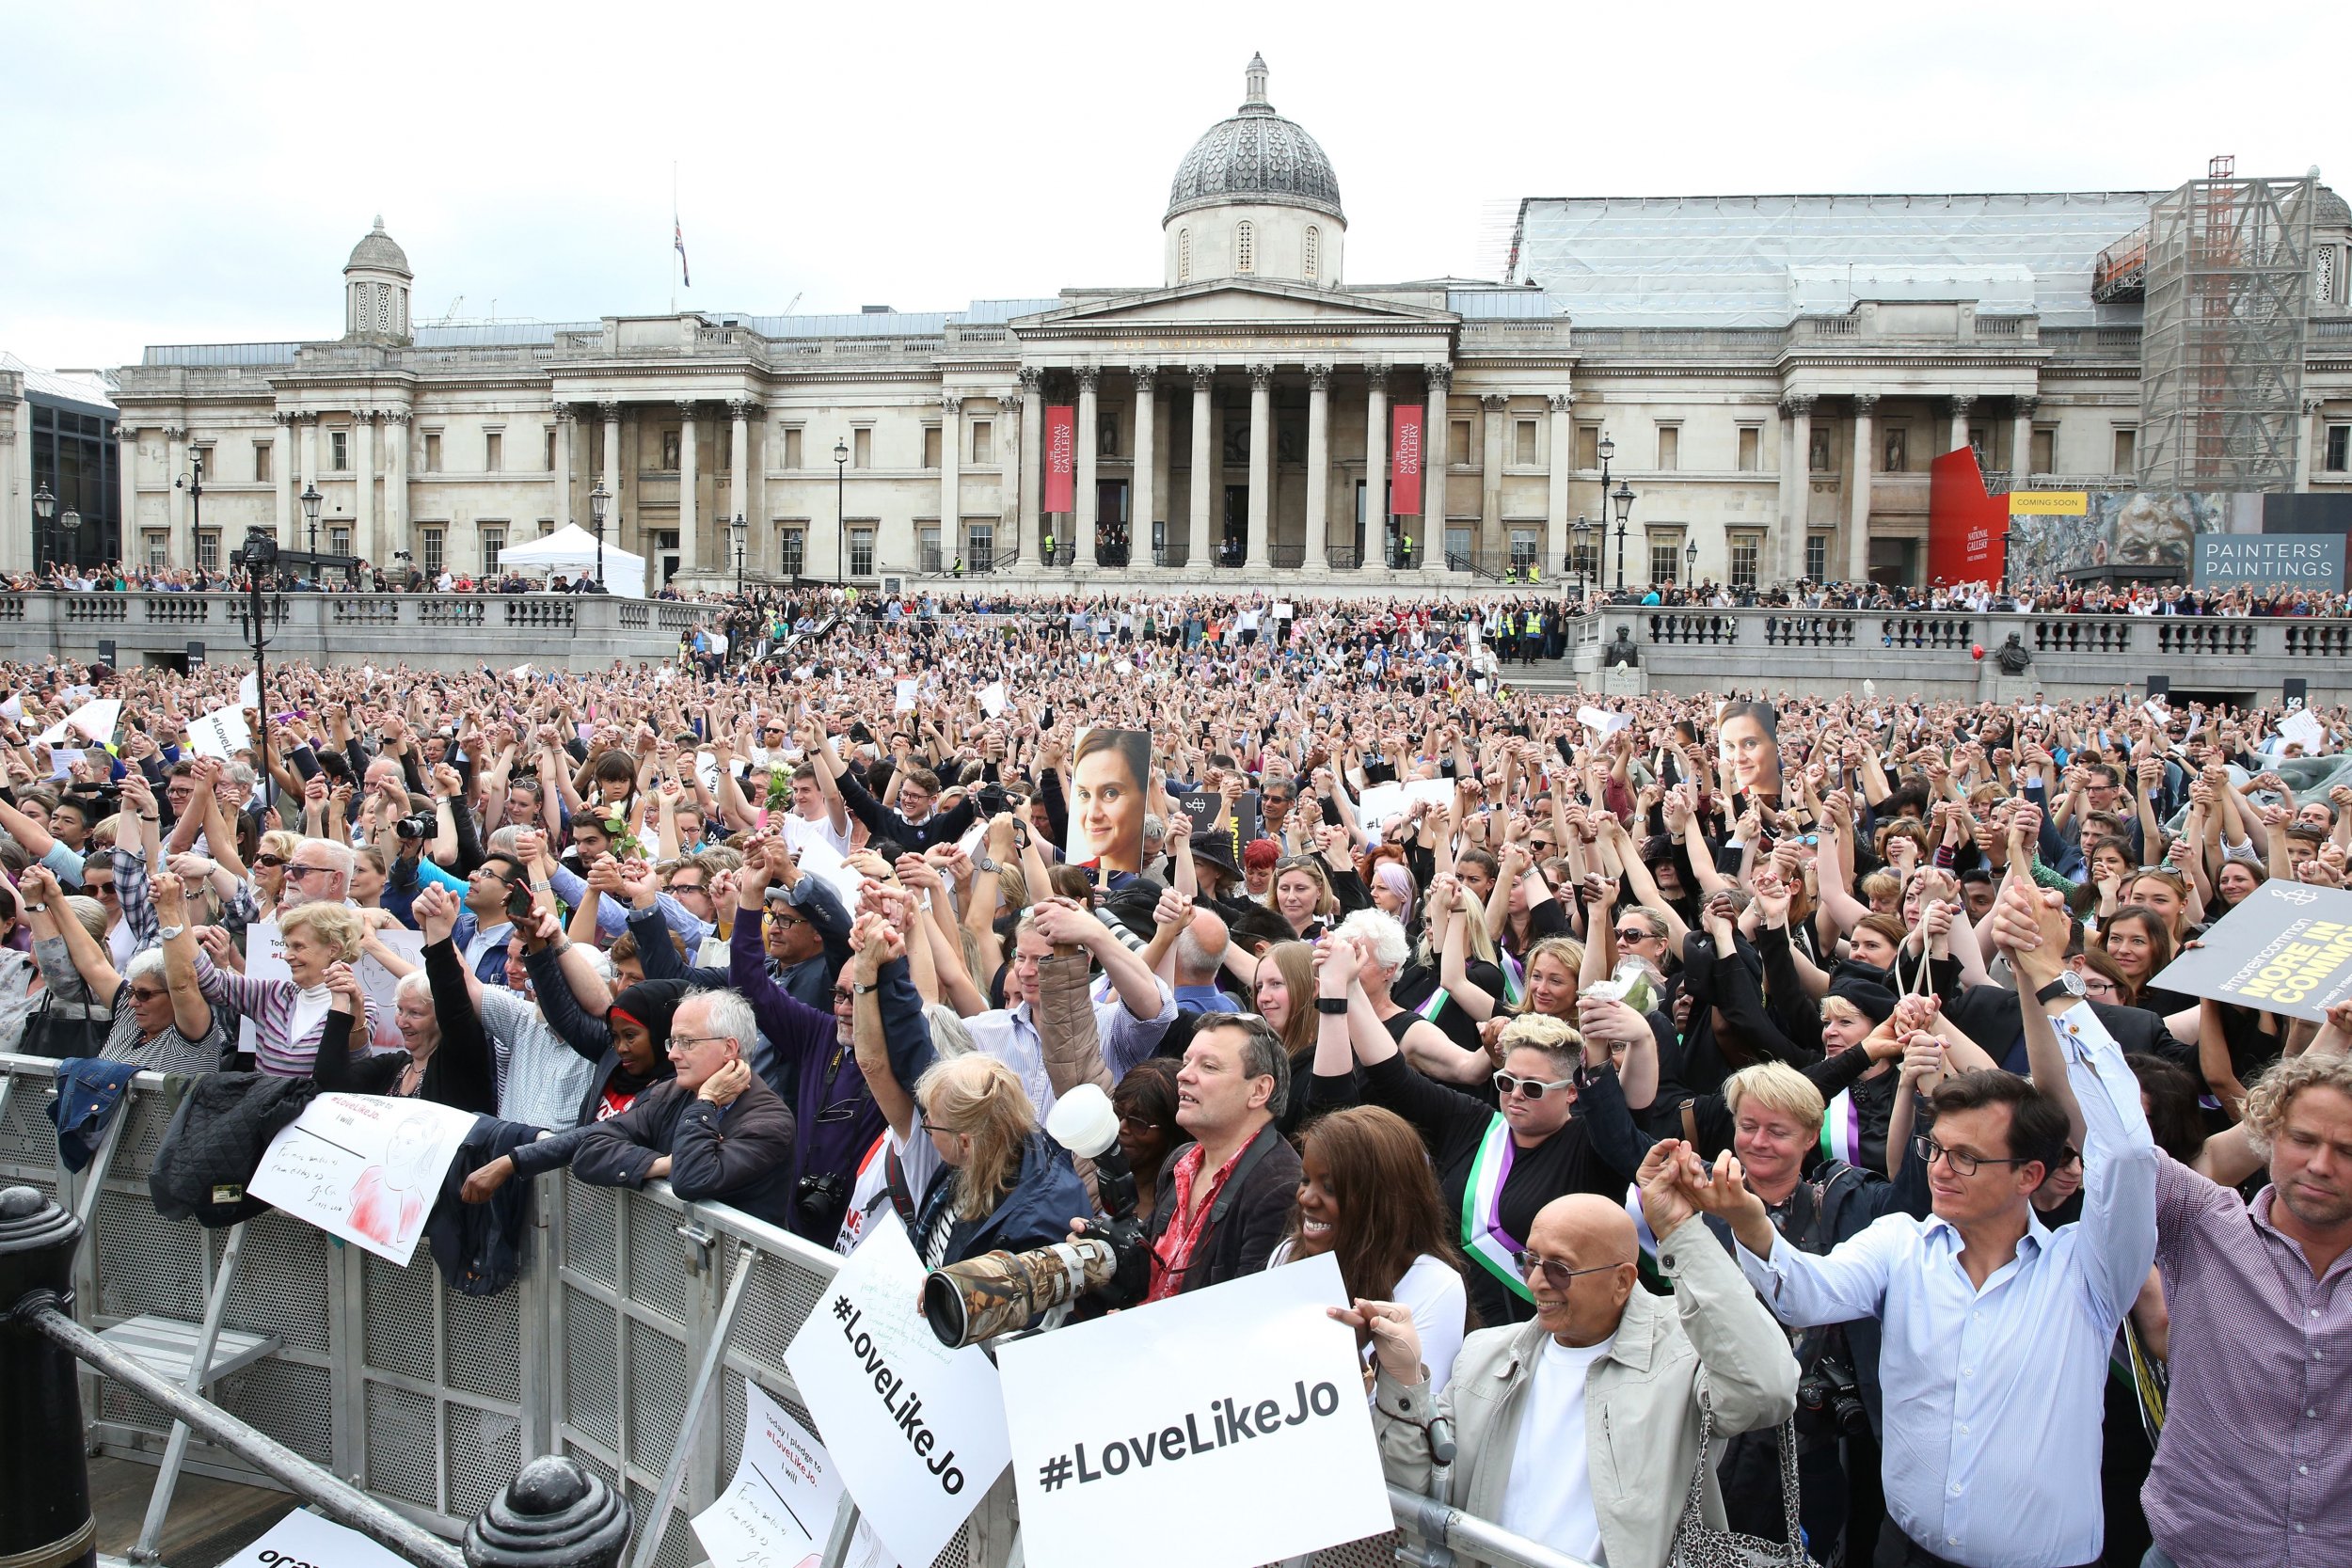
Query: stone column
1858,503
396,481
1796,480
1260,464
1032,481
1161,488
1317,558
128,476
1493,406
950,479
284,481
1082,525
309,453
611,412
363,485
180,550
740,476
562,466
1960,406
1144,498
1198,550
1011,482
1563,455
689,475
2020,442
1377,463
2310,433
18,527
1436,457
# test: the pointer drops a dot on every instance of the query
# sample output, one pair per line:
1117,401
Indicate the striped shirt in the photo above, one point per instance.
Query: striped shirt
270,1004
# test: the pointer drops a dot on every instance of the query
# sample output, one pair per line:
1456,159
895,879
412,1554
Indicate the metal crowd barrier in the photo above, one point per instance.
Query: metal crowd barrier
613,1347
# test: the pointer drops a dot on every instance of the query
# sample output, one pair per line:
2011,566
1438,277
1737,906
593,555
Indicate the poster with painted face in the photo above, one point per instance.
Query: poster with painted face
1110,774
1747,735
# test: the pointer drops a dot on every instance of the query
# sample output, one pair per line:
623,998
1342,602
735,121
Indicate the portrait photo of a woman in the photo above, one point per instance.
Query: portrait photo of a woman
1750,738
1109,779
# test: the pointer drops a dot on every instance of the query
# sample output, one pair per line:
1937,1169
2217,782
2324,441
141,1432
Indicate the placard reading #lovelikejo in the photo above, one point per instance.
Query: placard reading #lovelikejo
917,1431
1233,1418
2286,948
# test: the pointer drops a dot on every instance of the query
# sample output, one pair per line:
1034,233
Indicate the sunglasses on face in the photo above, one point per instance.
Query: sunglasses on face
270,862
1507,1084
1556,1274
1633,933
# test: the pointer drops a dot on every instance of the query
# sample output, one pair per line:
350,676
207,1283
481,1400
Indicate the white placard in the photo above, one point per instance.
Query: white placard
94,721
2304,728
816,857
221,732
779,1509
364,1167
249,688
1144,1413
303,1540
1282,610
13,709
383,987
903,701
992,699
264,959
916,1430
1602,722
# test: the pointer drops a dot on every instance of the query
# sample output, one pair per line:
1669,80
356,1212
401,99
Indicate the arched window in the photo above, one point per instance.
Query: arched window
1245,247
1315,251
1184,256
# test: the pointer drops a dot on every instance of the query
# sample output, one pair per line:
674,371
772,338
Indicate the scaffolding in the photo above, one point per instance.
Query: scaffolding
2227,270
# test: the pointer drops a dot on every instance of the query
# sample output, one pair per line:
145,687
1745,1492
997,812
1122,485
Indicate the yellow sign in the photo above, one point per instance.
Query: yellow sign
2049,503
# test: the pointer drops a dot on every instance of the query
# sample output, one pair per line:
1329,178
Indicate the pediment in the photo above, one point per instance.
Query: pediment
1229,303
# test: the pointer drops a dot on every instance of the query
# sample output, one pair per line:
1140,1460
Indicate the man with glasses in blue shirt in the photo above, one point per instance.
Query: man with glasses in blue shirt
1996,1330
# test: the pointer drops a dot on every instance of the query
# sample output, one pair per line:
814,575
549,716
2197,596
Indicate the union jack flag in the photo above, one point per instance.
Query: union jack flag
677,238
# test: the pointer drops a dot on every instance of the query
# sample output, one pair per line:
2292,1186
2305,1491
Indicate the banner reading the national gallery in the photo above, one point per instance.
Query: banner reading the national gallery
1061,457
1405,465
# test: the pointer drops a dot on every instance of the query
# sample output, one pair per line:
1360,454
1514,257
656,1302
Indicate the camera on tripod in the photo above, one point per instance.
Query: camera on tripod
999,1292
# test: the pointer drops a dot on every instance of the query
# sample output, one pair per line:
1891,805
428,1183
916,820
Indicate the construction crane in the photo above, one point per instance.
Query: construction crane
449,317
796,299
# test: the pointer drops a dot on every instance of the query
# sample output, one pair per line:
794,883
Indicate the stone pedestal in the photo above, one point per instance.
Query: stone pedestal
2009,690
1623,681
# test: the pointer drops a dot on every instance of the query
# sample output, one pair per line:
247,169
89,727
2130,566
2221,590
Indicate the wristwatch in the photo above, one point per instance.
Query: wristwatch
856,989
980,862
37,909
1335,1005
166,932
2067,984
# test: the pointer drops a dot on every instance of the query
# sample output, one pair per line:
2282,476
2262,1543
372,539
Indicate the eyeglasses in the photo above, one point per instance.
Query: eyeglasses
1555,1273
1507,1084
839,996
1927,1148
776,917
677,887
680,1044
306,870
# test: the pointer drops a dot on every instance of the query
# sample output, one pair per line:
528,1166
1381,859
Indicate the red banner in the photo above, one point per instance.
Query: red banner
1964,524
1061,458
1405,454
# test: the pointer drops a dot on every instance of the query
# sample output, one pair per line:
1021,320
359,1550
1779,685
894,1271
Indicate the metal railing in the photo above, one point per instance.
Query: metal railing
1343,558
626,1345
1286,558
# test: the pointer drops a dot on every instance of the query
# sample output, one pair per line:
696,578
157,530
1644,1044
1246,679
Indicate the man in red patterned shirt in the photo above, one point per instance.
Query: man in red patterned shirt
1223,1197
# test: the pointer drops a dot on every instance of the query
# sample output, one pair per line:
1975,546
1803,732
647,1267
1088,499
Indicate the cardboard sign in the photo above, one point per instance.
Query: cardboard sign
992,700
1201,809
818,858
1109,780
916,1430
221,732
303,1540
1150,1413
2304,729
779,1509
2286,948
364,1167
1384,803
93,721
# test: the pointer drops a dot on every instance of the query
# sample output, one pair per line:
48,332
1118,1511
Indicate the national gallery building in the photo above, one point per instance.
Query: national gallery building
1745,389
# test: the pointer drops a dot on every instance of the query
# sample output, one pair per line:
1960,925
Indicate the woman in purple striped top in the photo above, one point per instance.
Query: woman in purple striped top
288,1015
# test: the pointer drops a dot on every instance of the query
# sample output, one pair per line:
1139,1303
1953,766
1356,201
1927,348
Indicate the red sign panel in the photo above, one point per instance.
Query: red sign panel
1964,524
1061,458
1404,448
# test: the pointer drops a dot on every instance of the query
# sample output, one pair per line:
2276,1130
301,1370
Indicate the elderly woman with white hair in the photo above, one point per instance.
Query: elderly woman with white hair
148,1019
448,1065
1381,941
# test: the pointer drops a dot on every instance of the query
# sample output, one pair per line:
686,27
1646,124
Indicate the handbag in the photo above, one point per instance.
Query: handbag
1700,1545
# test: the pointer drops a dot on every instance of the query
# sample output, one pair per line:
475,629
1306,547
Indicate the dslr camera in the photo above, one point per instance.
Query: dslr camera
415,825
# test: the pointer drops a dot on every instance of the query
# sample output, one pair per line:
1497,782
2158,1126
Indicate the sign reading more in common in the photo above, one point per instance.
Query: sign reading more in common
2285,948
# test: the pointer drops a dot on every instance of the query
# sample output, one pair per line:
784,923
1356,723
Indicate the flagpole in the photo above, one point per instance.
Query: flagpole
673,258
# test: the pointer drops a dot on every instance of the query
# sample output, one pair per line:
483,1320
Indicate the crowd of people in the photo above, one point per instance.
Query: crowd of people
1723,1108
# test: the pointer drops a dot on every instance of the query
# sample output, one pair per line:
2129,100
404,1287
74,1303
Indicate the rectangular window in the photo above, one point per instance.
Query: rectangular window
1458,546
672,445
932,446
338,541
493,452
2339,457
434,545
2043,454
1457,447
158,548
1585,561
339,451
550,449
261,456
1526,548
1669,448
1746,551
792,547
1751,447
1817,557
862,447
1588,446
2127,453
493,541
208,549
791,446
1523,443
1665,560
432,453
983,442
926,548
979,545
862,552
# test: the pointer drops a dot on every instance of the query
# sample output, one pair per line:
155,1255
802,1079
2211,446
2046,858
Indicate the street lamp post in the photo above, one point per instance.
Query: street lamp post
193,481
260,553
310,499
738,528
1690,563
1576,562
1606,450
44,508
1622,499
840,494
599,499
70,524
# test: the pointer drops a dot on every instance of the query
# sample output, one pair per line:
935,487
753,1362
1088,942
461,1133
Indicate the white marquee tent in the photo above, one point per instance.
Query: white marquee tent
572,549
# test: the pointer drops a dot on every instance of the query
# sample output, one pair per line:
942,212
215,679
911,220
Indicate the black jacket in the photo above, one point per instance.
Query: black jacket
479,1247
216,1143
739,1154
1248,1218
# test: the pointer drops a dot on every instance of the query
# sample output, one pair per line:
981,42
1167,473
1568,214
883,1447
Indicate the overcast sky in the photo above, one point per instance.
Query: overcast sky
199,173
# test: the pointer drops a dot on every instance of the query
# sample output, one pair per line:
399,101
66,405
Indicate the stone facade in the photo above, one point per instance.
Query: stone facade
1239,414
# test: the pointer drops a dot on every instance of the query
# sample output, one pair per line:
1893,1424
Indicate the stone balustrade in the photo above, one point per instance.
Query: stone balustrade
452,631
1827,652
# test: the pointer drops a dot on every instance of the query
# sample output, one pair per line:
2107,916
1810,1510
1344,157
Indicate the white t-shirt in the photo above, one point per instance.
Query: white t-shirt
1440,1305
1549,1498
